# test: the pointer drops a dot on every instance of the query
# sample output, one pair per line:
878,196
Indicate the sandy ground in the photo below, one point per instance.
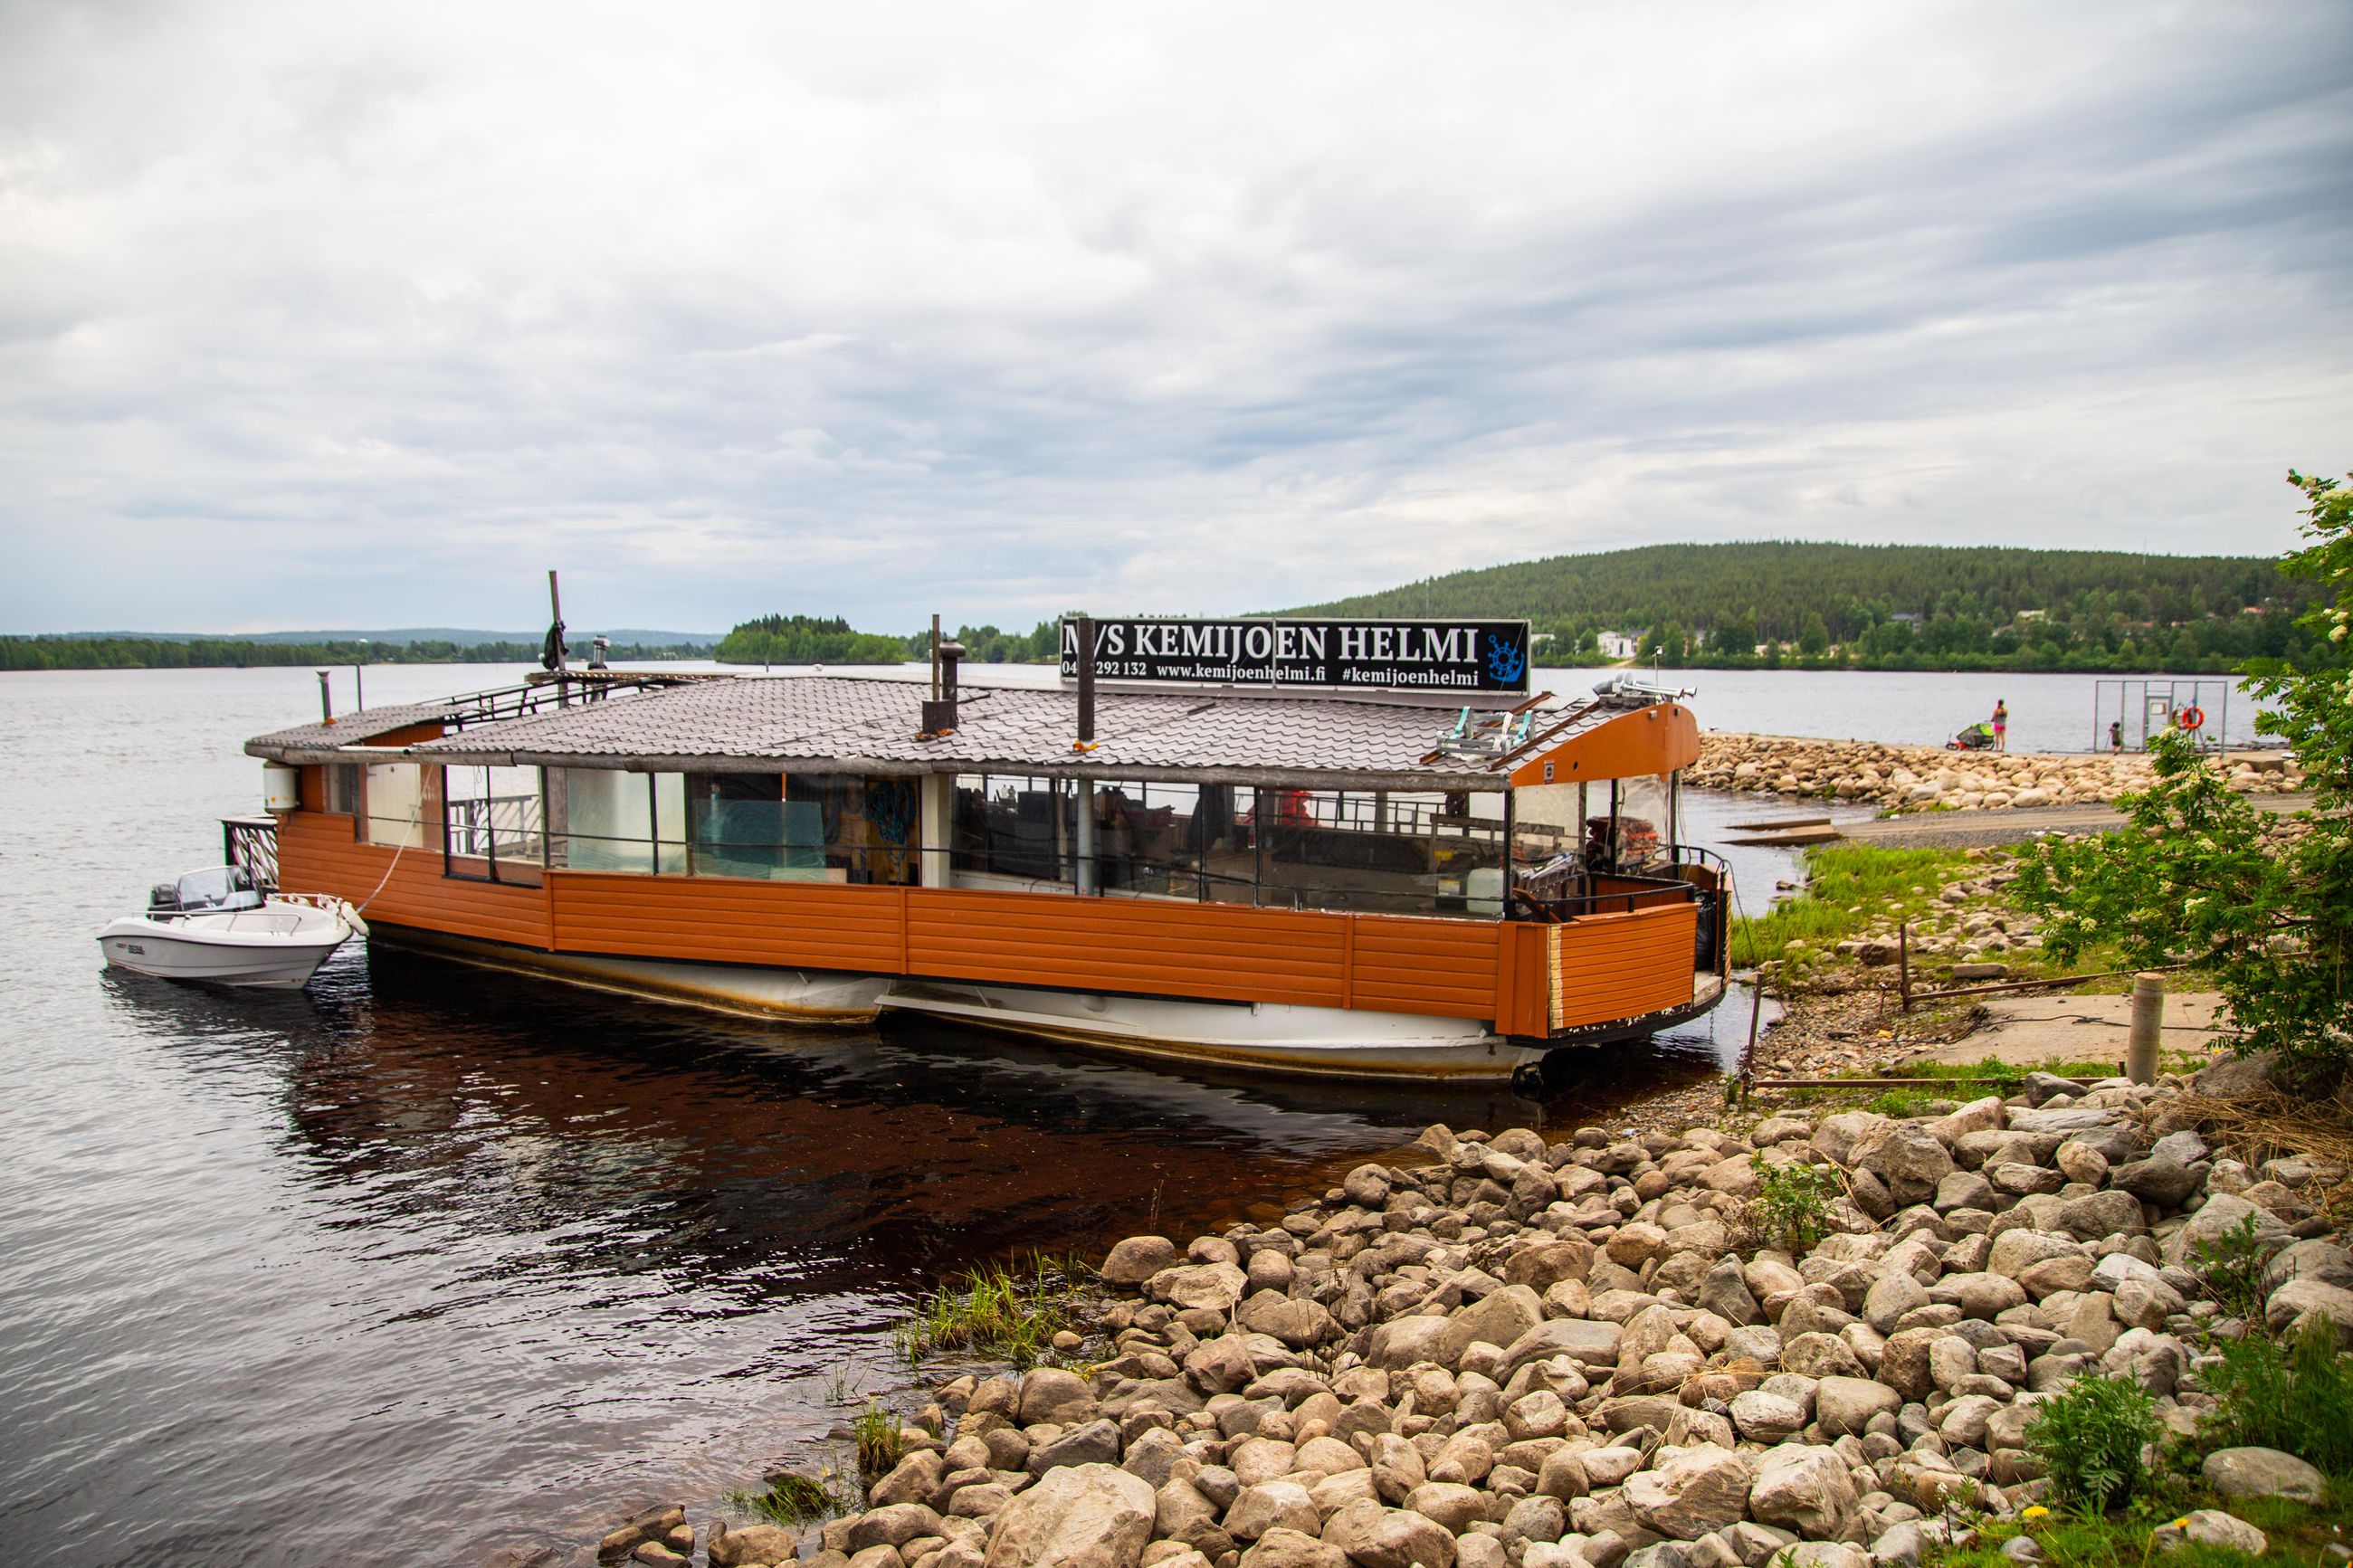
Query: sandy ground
2028,1030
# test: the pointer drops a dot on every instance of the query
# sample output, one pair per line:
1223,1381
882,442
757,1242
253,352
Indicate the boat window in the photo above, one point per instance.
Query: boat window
1644,830
1395,853
343,789
219,888
607,820
1380,851
1548,838
493,824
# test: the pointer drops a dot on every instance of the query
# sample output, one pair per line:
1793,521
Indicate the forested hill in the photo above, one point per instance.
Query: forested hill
1886,606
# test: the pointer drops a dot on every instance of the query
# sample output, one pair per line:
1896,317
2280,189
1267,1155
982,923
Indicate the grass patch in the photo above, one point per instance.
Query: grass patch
2296,1397
1849,888
2295,1534
876,1428
792,1498
1008,1310
1947,1081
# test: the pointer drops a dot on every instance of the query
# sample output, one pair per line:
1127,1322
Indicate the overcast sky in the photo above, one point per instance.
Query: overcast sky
363,315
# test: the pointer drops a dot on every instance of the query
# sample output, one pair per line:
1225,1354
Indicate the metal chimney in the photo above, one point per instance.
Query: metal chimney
940,713
1086,740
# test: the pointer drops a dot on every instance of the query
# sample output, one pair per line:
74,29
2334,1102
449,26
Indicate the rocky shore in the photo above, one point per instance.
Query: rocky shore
1926,777
1596,1351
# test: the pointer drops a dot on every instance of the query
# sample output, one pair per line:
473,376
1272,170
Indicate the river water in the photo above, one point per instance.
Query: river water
428,1261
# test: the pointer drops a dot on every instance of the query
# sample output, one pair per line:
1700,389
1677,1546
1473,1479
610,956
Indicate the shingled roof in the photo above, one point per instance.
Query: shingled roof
868,724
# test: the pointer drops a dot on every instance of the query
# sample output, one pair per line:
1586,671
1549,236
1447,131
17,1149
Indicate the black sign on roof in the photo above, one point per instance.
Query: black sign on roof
1469,657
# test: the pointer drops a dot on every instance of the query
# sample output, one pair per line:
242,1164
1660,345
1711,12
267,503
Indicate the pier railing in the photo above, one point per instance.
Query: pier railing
250,843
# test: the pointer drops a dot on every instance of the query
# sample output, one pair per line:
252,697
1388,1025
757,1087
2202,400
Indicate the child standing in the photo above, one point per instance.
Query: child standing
2000,725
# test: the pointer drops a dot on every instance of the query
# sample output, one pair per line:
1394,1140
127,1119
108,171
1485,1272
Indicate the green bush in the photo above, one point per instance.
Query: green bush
2296,1397
2090,1440
2231,1266
1791,1205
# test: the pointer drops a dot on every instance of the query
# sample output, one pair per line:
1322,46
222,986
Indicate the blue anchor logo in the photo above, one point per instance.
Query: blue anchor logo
1504,659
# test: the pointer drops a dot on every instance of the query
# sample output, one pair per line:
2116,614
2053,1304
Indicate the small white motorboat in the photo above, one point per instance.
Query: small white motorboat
216,925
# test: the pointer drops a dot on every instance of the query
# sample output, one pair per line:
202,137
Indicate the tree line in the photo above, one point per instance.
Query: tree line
236,653
810,639
1900,606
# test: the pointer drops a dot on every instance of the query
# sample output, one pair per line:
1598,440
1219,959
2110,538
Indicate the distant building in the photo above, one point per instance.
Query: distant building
1912,618
2033,614
1620,645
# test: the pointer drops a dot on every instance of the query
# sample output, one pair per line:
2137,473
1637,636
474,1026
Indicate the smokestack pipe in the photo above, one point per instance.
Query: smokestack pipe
940,711
326,700
1086,741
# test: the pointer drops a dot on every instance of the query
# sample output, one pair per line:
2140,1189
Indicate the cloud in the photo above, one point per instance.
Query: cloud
331,315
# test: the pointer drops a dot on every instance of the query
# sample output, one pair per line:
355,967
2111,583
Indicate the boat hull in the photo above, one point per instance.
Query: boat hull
261,955
1323,1041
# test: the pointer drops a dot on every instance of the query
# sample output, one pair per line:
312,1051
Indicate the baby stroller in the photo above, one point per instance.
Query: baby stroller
1978,737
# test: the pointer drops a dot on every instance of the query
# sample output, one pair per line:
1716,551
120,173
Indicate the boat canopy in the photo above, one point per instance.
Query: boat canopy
868,725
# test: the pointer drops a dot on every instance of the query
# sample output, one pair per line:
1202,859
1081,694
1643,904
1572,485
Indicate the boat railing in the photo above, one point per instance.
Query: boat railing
538,696
505,832
250,843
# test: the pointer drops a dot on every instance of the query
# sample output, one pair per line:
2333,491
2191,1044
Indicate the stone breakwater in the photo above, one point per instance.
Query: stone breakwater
1920,777
1525,1353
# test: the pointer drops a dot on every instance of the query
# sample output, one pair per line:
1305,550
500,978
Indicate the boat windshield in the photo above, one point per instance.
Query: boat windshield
220,888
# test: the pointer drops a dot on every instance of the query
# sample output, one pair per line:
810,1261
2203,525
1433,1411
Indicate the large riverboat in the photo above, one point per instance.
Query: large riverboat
1356,848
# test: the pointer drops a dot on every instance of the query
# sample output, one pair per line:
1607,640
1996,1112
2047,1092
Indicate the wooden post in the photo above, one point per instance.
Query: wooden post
1748,1052
1903,963
2148,1024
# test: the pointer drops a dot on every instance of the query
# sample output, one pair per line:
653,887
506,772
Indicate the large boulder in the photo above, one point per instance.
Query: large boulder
1806,1488
898,1524
2165,1183
1836,1138
1908,1158
1087,1516
2300,1301
2220,1217
1409,1340
1843,1406
1377,1537
1201,1286
1292,1549
1584,1340
1138,1259
2264,1472
1271,1505
1765,1417
1694,1494
1498,1318
2016,1251
1053,1394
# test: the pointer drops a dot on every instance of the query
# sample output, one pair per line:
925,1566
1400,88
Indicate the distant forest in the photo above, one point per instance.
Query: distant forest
1894,606
807,639
238,653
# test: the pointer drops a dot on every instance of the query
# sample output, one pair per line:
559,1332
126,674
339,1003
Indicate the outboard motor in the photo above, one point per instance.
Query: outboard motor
164,896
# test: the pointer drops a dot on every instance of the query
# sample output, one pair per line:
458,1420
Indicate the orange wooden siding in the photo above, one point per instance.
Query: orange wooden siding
1524,979
1445,968
714,919
316,854
1622,966
1129,944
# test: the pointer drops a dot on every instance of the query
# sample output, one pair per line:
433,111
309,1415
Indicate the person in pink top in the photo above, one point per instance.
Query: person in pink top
2000,725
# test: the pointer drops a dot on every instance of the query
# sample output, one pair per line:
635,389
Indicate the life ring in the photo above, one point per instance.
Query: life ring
2190,717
